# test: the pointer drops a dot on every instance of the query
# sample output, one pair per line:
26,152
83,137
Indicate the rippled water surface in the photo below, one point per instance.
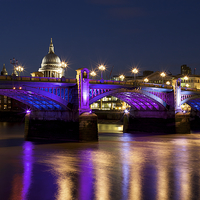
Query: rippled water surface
119,166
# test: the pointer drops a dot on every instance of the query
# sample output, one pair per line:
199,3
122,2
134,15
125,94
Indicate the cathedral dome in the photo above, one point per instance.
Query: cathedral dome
51,59
51,64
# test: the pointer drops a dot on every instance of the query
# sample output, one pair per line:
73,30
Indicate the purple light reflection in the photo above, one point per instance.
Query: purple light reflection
27,161
86,185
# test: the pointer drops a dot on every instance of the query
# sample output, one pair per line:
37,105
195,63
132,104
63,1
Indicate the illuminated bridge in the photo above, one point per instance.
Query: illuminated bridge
44,93
74,96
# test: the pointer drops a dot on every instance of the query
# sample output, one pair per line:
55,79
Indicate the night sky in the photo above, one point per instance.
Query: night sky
154,35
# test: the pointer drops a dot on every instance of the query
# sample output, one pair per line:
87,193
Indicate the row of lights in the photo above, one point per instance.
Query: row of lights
134,71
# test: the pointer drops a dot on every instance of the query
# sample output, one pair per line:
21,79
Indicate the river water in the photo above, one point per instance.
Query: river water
119,166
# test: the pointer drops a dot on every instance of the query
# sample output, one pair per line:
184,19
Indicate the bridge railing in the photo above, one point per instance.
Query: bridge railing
190,89
38,79
136,83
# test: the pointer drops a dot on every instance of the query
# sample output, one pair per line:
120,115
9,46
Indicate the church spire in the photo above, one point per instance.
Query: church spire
4,72
51,47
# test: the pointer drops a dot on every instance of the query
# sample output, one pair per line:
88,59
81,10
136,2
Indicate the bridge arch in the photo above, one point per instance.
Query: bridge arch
193,102
138,99
35,98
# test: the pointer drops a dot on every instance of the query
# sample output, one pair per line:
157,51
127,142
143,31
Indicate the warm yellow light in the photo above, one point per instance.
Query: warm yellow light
93,73
14,88
146,80
135,71
122,77
63,64
185,78
59,71
102,67
163,74
168,82
19,69
187,85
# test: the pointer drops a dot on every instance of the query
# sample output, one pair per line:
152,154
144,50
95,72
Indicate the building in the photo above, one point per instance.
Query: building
190,81
51,65
109,103
185,70
4,71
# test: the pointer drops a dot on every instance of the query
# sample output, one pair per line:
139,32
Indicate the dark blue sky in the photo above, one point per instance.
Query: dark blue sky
154,35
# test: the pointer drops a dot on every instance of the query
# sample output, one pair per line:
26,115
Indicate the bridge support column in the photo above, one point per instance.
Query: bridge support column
61,125
182,123
162,122
177,95
52,125
125,122
88,130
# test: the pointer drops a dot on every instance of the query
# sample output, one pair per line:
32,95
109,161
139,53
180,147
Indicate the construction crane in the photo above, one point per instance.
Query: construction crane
110,72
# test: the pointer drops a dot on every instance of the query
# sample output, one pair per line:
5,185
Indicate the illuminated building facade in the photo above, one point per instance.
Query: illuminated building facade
9,104
109,103
51,65
191,81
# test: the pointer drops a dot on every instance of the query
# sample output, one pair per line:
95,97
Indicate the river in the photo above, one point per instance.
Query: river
119,166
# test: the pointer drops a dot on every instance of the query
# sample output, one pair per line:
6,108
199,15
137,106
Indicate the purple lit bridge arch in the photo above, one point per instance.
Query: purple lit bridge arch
139,98
191,97
40,93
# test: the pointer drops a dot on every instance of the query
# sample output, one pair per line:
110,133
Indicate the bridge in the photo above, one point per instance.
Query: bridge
64,101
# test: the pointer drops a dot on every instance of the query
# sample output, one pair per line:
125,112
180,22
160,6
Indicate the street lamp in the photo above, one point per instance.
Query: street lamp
187,85
14,63
162,75
168,82
93,74
135,71
64,66
102,68
19,69
146,80
122,77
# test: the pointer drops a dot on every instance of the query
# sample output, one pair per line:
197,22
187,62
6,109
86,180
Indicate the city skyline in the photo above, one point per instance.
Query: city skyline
157,36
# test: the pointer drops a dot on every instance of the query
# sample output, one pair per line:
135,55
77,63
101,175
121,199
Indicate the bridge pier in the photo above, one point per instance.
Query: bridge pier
150,121
61,125
182,123
52,125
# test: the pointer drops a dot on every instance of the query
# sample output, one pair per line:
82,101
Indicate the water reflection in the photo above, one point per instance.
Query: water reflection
86,176
22,182
27,161
119,166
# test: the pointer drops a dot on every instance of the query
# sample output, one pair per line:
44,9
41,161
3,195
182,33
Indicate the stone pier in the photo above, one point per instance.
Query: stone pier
162,122
61,125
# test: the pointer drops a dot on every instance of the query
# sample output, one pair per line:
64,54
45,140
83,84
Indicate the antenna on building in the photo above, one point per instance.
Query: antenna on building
194,70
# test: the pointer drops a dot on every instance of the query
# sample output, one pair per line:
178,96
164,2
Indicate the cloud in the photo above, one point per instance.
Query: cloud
126,12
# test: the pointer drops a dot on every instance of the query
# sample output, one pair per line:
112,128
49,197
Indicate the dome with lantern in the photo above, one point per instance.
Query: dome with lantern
51,64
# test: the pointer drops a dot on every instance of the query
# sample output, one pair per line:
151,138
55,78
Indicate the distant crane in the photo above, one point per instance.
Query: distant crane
110,72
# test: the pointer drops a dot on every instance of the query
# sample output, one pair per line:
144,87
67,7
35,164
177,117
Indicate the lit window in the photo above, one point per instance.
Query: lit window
5,107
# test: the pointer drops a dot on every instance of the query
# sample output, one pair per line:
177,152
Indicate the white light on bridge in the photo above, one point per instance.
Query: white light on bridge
93,73
122,77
